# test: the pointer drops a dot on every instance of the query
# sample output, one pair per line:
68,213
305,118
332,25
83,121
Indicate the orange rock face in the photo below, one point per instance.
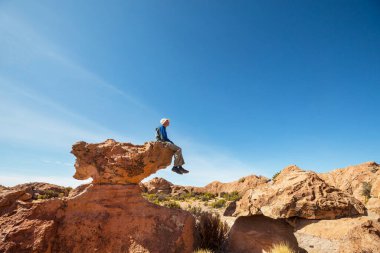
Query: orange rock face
119,163
102,218
351,179
116,218
298,193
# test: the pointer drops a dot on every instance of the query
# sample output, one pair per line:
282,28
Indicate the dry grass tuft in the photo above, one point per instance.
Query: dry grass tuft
281,247
211,232
203,251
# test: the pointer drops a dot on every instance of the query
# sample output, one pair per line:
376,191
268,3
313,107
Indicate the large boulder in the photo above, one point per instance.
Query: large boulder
119,163
346,235
298,193
158,185
257,234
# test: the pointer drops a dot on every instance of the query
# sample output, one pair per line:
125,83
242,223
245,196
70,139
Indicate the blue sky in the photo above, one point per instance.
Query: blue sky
250,86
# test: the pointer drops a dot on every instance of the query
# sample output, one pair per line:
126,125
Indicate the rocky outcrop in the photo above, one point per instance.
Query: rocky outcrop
373,206
158,185
119,163
298,193
257,234
240,186
106,216
352,178
9,197
346,235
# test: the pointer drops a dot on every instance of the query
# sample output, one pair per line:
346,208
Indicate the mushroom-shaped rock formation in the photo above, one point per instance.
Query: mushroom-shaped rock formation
298,193
119,163
109,215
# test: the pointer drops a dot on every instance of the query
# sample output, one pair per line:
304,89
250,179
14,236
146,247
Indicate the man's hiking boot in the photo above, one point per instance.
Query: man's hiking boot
184,171
177,170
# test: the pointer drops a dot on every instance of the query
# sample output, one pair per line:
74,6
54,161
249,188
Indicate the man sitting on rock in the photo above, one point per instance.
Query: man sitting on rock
178,158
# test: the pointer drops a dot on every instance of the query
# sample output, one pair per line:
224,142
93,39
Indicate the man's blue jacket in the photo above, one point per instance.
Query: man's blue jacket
163,135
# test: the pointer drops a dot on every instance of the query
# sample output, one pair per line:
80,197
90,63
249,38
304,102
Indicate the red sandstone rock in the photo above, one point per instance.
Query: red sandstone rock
119,163
116,218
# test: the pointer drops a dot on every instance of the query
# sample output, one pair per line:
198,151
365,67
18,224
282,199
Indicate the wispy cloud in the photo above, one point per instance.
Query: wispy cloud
21,45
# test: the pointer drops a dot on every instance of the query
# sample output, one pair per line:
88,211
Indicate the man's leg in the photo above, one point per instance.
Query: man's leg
178,158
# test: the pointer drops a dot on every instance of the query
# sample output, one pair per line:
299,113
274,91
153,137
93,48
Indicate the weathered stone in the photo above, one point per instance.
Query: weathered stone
119,163
116,218
257,234
346,235
298,193
352,178
158,185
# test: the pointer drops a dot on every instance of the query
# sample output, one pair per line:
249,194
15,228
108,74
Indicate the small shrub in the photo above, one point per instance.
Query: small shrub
155,198
206,196
366,190
281,248
172,204
218,203
48,194
68,190
161,198
211,232
241,180
233,196
275,175
183,196
195,210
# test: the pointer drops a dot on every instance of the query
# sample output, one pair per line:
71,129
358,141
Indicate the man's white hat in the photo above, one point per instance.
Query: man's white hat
163,120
